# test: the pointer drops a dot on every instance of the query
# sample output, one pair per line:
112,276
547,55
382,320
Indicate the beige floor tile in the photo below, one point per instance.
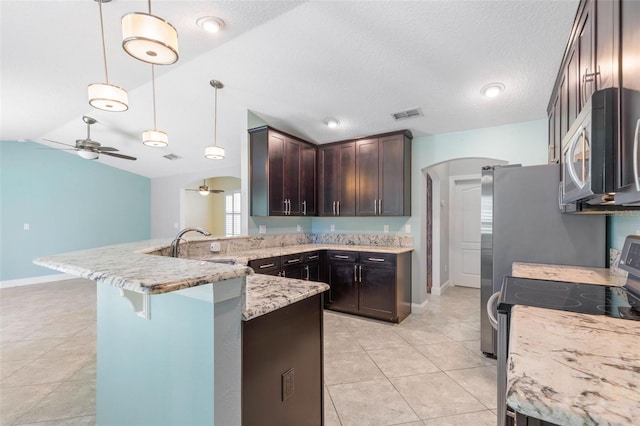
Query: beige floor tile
375,338
459,331
403,361
451,356
480,382
66,328
45,370
87,372
422,337
481,418
70,399
435,395
15,401
349,367
8,367
28,349
73,346
72,421
330,415
340,342
374,402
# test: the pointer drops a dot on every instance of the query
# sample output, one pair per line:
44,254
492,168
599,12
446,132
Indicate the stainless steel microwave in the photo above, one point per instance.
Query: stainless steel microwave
587,160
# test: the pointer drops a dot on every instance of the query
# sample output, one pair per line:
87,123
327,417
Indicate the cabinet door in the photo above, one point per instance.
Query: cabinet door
328,174
586,74
293,271
392,182
347,179
629,92
573,88
377,291
276,174
308,181
343,292
312,271
291,183
367,177
605,42
551,154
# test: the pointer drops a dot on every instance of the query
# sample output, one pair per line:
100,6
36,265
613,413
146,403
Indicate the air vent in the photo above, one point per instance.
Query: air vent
407,113
172,157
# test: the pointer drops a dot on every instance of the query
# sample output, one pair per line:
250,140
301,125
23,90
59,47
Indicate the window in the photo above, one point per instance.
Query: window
232,214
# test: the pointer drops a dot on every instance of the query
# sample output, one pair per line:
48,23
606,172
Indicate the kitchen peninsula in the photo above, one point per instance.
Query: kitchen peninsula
192,310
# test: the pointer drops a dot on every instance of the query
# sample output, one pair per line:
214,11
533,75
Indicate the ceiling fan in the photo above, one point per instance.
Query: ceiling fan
90,149
204,189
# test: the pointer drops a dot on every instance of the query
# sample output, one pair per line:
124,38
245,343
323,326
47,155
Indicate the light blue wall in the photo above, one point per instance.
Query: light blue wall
621,226
279,225
69,203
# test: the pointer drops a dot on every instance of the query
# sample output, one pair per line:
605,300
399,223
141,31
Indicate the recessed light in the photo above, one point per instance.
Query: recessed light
332,123
492,90
210,24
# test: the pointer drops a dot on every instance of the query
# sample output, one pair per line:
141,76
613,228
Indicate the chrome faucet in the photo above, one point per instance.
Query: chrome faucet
175,249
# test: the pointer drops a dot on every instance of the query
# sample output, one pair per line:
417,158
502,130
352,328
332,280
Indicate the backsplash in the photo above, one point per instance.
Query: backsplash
199,247
614,262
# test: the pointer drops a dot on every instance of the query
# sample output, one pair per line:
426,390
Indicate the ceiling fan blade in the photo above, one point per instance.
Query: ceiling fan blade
112,154
216,191
57,149
108,148
61,143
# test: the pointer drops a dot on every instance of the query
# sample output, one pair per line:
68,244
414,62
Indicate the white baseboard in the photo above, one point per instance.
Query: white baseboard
419,308
437,291
42,279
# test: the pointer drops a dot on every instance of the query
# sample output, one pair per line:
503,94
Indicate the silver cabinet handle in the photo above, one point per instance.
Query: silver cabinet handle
334,208
283,274
338,204
304,208
268,265
294,260
315,256
376,259
355,273
375,207
341,256
635,156
289,208
379,206
491,306
360,273
306,268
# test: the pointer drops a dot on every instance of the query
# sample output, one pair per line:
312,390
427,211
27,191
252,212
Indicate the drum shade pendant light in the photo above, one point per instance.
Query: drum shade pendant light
215,152
105,96
149,38
155,138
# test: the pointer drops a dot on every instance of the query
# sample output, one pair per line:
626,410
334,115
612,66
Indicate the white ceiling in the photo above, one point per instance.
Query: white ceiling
292,63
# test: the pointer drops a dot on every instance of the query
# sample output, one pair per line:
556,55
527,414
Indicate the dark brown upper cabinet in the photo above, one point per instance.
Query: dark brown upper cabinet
383,179
282,172
337,179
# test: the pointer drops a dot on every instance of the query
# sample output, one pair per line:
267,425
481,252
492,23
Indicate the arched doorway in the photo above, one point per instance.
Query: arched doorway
215,211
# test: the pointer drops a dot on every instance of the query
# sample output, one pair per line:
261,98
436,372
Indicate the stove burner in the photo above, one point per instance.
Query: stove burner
603,308
546,300
595,297
548,285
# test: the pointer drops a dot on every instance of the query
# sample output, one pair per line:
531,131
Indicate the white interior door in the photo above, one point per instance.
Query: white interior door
465,244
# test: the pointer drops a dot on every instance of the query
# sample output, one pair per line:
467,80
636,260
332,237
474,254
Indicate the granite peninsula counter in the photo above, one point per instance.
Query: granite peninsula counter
573,369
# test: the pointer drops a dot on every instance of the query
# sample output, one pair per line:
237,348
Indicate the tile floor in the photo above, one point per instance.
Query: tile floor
426,371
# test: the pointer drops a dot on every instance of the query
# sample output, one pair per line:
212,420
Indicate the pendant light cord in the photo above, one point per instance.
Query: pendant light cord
149,3
153,88
215,120
104,48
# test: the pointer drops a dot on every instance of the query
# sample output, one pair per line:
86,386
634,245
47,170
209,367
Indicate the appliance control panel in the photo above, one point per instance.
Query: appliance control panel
630,257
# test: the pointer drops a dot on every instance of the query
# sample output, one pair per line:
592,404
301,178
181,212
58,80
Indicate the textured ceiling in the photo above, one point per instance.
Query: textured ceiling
292,63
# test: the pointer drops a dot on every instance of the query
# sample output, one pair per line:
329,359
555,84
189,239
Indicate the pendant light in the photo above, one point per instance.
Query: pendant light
105,96
149,38
155,138
215,152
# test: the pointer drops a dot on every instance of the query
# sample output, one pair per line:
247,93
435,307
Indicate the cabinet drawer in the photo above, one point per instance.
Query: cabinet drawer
292,259
264,265
312,256
342,256
386,259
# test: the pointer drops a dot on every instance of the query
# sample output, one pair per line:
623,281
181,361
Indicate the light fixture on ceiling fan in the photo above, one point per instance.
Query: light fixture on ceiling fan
149,38
106,96
214,152
204,189
155,138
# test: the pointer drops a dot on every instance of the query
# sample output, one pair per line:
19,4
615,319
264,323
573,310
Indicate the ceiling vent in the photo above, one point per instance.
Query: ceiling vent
407,113
172,157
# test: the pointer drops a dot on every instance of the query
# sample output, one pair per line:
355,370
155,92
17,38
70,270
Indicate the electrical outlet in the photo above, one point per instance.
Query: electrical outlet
288,384
446,267
25,227
332,227
386,228
407,228
215,247
262,229
298,228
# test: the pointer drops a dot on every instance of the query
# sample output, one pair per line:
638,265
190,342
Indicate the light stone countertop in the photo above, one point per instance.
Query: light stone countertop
573,274
574,369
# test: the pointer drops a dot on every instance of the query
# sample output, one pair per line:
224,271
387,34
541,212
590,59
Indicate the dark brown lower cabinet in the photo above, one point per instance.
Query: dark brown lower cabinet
376,285
282,366
522,420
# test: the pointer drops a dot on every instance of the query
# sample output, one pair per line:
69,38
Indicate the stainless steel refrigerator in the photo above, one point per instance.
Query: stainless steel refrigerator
521,221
